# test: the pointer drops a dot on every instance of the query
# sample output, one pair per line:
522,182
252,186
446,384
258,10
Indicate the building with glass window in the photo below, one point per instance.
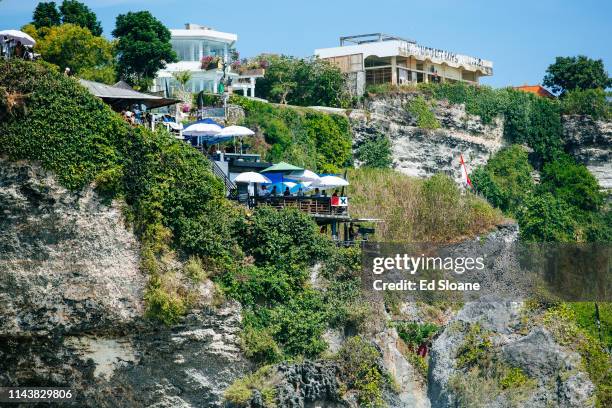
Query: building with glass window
373,59
202,51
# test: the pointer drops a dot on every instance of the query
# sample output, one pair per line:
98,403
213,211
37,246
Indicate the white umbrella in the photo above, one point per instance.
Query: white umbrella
303,175
289,184
237,131
251,177
18,36
202,129
330,182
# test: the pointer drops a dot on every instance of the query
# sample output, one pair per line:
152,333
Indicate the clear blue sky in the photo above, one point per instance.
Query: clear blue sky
521,37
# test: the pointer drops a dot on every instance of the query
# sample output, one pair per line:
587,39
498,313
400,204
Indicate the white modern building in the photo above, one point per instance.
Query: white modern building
373,59
202,51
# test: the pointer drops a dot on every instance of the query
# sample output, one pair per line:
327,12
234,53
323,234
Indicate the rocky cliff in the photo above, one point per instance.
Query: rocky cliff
421,152
71,306
590,142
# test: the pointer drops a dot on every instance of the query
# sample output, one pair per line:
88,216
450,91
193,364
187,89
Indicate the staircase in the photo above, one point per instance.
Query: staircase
231,190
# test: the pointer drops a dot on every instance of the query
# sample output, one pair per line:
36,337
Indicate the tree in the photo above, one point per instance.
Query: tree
143,47
74,12
571,182
46,15
71,46
304,82
569,73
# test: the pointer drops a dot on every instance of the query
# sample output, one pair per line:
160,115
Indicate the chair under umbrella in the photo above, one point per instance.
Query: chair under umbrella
18,36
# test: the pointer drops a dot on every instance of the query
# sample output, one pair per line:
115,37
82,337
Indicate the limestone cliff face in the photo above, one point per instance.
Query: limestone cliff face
590,142
71,306
422,153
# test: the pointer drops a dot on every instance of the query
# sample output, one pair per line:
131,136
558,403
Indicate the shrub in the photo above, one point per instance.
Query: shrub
284,238
304,137
359,369
259,345
194,269
240,391
545,218
414,334
421,109
476,347
590,102
514,378
506,179
375,152
571,182
166,299
418,211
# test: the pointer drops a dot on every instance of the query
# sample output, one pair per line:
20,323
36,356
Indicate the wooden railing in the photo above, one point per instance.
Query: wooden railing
311,205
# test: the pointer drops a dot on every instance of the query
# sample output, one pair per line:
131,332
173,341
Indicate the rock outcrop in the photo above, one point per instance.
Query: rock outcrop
556,372
72,311
420,152
590,142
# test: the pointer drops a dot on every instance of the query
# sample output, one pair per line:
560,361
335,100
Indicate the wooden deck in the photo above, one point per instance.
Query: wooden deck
318,207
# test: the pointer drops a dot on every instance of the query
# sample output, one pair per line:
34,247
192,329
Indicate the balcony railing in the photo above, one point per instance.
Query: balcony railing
315,206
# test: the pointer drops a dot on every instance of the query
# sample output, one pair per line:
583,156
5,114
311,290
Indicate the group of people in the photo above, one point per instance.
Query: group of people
9,48
317,193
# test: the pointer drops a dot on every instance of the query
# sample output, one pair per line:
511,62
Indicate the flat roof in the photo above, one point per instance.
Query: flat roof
208,33
388,46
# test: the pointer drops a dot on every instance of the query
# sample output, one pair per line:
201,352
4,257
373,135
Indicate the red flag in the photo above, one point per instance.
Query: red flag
467,177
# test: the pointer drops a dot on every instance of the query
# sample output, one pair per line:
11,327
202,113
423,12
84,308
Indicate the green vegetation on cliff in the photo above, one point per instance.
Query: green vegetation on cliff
416,210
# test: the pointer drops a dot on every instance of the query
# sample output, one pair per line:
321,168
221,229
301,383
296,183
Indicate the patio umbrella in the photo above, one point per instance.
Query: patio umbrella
330,182
282,167
251,177
237,131
18,36
202,129
303,175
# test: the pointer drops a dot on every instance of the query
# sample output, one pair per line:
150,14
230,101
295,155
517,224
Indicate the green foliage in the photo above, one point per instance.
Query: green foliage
514,378
283,238
421,109
360,370
194,269
84,138
415,334
240,391
475,349
46,15
306,138
302,82
143,47
563,323
174,202
375,152
545,218
569,73
105,74
165,301
259,345
571,182
590,102
71,46
415,210
506,179
74,12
